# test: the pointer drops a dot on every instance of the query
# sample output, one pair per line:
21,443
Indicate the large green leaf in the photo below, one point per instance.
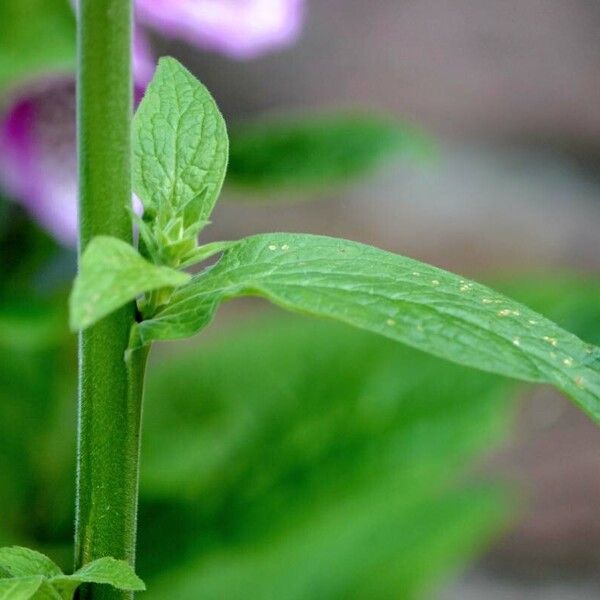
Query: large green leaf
37,36
400,298
316,150
180,146
111,274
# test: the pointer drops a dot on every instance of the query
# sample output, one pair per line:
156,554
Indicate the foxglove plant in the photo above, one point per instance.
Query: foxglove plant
125,298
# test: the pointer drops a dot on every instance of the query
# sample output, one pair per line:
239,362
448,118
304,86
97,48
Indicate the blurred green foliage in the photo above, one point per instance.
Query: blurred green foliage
295,458
300,458
274,156
317,462
25,254
37,36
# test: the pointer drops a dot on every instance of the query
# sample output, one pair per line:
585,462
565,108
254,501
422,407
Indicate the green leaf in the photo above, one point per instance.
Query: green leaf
37,36
112,273
116,573
332,420
371,545
20,588
317,150
362,437
300,376
180,147
21,562
400,298
47,591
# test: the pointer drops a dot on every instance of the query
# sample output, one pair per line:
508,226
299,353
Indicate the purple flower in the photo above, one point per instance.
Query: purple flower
239,28
37,125
37,157
38,163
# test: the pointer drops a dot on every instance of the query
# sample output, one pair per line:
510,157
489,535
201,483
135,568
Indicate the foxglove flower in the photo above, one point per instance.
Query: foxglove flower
38,161
239,28
37,123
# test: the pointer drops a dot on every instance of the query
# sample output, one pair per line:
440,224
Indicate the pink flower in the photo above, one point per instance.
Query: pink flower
38,163
239,28
37,127
37,157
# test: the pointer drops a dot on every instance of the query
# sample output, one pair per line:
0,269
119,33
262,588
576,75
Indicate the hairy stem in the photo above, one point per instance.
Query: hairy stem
110,390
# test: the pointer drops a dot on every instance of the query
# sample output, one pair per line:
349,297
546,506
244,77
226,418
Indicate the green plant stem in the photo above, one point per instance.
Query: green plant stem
110,390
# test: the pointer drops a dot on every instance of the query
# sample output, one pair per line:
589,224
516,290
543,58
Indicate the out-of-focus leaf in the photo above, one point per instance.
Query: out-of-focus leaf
374,546
443,535
317,150
400,298
280,381
25,252
29,326
37,443
304,450
37,36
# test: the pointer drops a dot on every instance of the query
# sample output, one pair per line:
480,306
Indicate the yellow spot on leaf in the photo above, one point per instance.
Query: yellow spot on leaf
506,312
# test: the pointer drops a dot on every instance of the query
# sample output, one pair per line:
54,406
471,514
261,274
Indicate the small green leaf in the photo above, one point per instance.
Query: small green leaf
317,150
21,562
400,298
37,36
112,273
180,147
117,573
20,588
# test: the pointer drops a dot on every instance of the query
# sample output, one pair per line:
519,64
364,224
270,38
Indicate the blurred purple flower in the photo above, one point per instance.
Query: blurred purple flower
37,158
37,127
38,163
239,28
